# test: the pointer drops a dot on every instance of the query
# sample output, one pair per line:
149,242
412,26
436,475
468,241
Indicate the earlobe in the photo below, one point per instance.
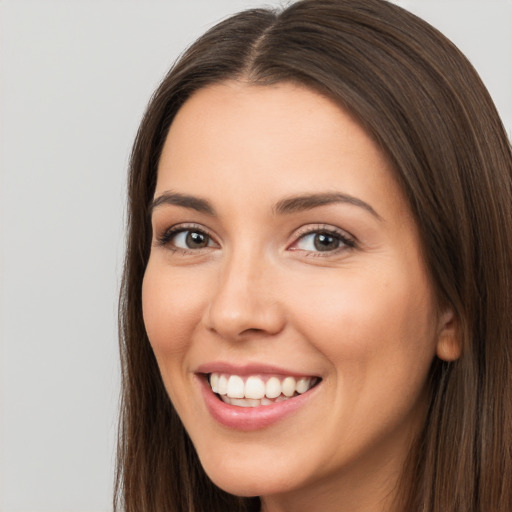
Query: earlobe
449,343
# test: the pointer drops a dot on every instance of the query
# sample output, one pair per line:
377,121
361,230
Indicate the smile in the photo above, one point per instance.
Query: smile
254,397
257,390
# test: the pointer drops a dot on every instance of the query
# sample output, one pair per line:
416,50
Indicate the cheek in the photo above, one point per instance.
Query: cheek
371,326
379,341
171,306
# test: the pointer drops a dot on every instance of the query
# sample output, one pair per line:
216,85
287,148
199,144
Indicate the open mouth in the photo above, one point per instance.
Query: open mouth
258,390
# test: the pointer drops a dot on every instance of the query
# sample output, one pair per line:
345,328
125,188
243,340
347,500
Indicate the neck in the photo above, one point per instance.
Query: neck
347,496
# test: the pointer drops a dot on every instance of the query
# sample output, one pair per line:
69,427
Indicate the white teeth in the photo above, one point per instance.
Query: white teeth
214,382
222,385
254,388
235,387
255,391
303,385
288,386
250,402
273,387
244,402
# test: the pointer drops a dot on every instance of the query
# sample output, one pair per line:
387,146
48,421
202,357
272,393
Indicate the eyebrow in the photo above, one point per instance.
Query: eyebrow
310,201
183,200
284,206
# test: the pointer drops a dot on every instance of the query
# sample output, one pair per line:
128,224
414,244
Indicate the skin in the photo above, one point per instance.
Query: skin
362,316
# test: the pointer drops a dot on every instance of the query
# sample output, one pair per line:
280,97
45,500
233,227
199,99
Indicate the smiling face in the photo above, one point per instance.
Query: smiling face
286,272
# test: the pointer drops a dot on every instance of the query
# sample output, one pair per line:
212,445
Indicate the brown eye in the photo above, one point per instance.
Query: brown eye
325,242
320,241
186,239
196,239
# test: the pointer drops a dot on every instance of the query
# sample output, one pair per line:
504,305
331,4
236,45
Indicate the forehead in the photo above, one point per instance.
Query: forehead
284,139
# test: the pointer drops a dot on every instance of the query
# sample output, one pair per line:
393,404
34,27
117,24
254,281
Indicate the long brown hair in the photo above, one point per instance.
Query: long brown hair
424,104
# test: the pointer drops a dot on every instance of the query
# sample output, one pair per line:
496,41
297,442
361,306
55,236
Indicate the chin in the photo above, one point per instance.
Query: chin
248,480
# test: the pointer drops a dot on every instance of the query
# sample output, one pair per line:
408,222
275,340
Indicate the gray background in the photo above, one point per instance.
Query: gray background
75,78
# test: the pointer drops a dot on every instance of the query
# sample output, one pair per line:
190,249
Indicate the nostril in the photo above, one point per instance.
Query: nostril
252,330
243,303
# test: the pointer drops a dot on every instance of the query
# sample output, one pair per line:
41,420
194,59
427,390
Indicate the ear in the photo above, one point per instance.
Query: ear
449,343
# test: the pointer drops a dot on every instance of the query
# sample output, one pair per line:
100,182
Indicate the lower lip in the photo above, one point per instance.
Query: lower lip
250,418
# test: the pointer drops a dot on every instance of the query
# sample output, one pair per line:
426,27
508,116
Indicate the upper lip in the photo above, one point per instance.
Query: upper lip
249,369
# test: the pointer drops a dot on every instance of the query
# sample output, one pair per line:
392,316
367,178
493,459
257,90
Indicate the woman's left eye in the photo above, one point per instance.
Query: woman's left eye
322,241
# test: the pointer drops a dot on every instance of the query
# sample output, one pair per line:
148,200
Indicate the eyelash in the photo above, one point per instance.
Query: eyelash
346,241
164,240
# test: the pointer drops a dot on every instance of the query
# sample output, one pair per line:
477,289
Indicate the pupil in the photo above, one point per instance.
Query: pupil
196,240
325,242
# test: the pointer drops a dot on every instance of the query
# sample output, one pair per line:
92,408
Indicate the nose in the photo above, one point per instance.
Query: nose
245,300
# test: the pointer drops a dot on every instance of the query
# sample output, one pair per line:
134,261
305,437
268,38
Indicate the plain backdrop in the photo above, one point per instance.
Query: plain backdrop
75,79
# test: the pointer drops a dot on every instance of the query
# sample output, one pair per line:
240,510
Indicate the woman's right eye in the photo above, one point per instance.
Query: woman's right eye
186,239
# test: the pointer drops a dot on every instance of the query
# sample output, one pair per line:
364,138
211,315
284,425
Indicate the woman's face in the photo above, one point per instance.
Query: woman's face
286,266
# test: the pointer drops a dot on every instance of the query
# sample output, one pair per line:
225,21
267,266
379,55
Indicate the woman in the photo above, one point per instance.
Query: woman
316,303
